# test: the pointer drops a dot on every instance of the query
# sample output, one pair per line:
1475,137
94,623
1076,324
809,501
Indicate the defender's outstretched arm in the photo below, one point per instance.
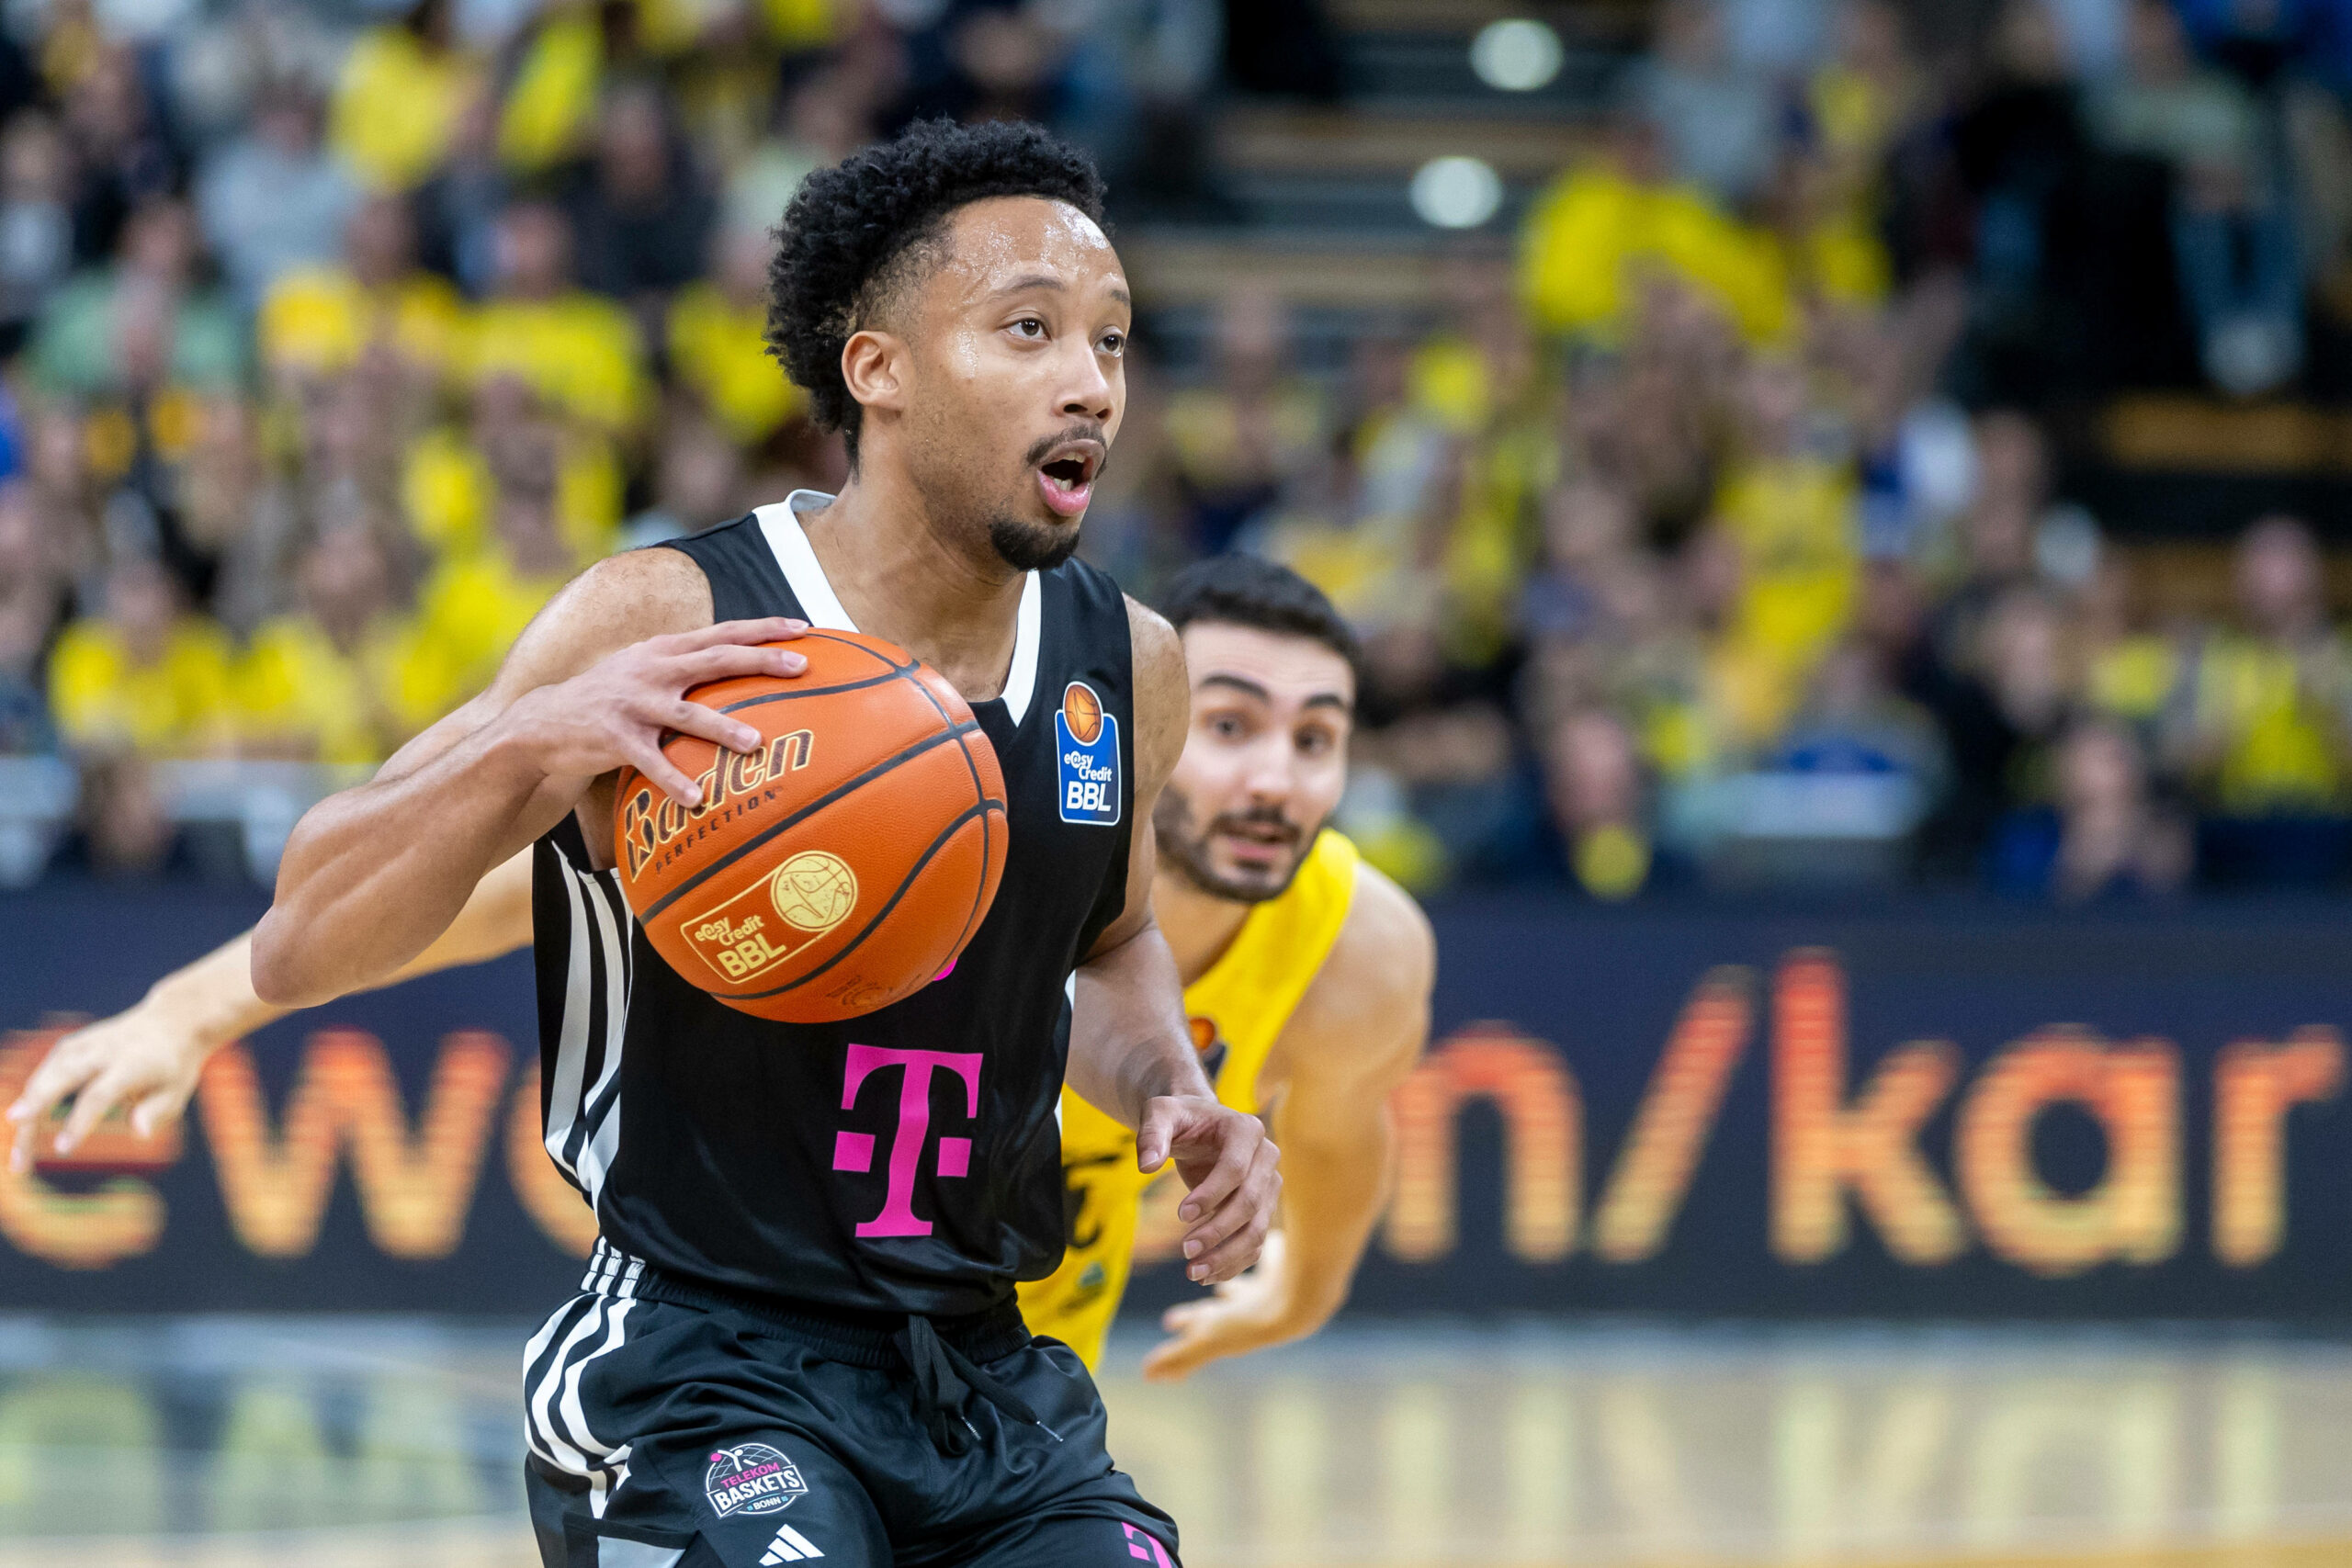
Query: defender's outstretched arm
149,1055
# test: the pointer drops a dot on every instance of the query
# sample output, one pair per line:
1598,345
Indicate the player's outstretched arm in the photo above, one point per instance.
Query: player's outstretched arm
1130,1053
371,875
1357,1032
148,1055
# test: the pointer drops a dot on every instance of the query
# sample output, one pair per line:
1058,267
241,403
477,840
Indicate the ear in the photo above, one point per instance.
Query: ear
874,365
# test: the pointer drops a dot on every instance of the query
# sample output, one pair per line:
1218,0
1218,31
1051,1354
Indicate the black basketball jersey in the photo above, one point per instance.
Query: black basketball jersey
908,1160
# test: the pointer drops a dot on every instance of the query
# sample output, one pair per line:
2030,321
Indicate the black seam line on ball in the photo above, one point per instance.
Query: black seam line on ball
979,808
882,679
846,787
971,916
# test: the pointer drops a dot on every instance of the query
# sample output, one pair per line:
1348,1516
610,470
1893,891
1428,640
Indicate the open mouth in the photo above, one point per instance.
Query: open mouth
1066,476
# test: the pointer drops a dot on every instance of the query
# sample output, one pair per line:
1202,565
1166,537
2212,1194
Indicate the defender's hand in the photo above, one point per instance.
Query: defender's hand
142,1057
1230,1163
615,712
1253,1312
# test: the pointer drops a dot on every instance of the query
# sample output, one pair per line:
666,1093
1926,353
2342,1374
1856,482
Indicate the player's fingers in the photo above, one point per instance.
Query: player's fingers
729,660
765,628
65,1068
663,773
99,1097
1175,1319
1154,1135
1173,1361
709,723
158,1108
1229,1240
1238,1139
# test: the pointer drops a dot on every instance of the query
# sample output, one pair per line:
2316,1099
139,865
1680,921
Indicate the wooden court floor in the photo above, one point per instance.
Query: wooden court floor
331,1444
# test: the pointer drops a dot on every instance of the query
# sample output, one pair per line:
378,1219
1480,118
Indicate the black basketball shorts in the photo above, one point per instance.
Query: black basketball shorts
669,1433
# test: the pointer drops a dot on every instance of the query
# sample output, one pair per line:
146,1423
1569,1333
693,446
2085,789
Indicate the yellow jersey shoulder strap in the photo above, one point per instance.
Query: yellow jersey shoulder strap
1249,994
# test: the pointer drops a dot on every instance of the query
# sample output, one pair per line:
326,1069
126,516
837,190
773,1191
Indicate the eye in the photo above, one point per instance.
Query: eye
1314,742
1224,727
1114,343
1030,327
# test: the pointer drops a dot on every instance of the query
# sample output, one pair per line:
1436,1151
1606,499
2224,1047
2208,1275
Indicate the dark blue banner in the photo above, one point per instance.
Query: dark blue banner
1963,1111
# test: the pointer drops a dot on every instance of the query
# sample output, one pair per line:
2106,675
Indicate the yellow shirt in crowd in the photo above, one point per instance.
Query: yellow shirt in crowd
395,108
446,491
320,318
181,704
295,685
467,612
1794,519
578,351
1594,230
720,352
2281,742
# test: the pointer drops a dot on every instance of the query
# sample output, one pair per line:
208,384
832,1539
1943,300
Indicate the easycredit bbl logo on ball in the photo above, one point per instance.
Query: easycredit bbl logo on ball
1086,758
776,916
753,1479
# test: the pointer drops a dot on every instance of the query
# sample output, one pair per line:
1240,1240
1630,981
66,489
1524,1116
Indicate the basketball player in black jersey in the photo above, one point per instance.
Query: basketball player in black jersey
798,1340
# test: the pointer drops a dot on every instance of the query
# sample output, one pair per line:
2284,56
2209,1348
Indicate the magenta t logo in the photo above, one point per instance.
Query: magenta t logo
855,1151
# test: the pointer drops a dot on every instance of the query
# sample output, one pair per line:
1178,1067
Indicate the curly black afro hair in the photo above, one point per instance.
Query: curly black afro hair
849,227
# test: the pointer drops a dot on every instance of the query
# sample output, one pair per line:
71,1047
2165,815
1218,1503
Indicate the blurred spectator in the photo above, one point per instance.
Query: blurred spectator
122,827
820,121
717,333
123,158
700,483
1716,111
396,107
459,208
325,684
2275,696
33,594
1257,426
2106,836
644,217
146,674
576,350
1852,722
143,323
272,200
319,321
36,225
1593,783
474,604
2234,239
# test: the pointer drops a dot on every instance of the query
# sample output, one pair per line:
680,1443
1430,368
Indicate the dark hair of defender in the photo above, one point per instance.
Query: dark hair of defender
855,232
1251,591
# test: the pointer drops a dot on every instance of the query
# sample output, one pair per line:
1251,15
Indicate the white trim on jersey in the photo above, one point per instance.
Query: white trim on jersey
612,1551
583,1120
780,524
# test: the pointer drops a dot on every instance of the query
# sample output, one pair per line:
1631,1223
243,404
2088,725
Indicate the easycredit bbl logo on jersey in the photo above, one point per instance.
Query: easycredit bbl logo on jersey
753,1479
1086,758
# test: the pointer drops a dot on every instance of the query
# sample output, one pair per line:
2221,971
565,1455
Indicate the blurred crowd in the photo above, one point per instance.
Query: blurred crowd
1705,532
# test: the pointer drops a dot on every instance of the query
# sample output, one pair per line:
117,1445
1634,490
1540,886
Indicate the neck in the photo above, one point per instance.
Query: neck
1199,926
903,575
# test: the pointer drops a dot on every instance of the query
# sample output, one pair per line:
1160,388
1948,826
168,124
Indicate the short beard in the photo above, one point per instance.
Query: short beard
1032,547
1184,849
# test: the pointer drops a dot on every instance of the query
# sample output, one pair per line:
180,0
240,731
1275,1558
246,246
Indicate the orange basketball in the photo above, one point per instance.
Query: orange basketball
841,867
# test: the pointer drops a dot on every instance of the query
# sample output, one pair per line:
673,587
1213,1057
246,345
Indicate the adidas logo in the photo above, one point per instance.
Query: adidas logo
789,1546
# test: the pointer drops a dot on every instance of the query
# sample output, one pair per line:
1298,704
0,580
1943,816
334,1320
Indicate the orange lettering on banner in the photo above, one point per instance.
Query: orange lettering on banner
1679,1109
414,1191
1821,1148
2255,1085
556,1205
120,1217
1543,1130
2133,1213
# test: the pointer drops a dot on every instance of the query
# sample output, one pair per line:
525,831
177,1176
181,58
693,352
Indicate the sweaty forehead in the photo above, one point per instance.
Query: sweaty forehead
996,242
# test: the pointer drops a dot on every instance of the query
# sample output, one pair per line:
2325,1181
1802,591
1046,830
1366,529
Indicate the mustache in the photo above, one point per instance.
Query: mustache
1257,816
1082,430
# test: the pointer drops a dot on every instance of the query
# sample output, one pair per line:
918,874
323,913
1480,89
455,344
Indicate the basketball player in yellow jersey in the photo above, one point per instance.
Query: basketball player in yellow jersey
1306,975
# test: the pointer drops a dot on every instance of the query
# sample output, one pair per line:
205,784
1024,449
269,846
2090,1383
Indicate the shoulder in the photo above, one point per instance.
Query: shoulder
1163,694
1366,1014
1386,953
621,599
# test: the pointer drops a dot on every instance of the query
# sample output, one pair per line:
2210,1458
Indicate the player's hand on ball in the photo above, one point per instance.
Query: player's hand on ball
1232,1170
1253,1312
615,711
142,1058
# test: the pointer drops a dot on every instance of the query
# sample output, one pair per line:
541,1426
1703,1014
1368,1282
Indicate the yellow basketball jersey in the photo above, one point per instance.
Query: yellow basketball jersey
1237,1010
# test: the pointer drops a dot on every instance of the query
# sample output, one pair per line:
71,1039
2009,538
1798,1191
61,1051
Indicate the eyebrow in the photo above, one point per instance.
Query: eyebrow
1046,280
1252,688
